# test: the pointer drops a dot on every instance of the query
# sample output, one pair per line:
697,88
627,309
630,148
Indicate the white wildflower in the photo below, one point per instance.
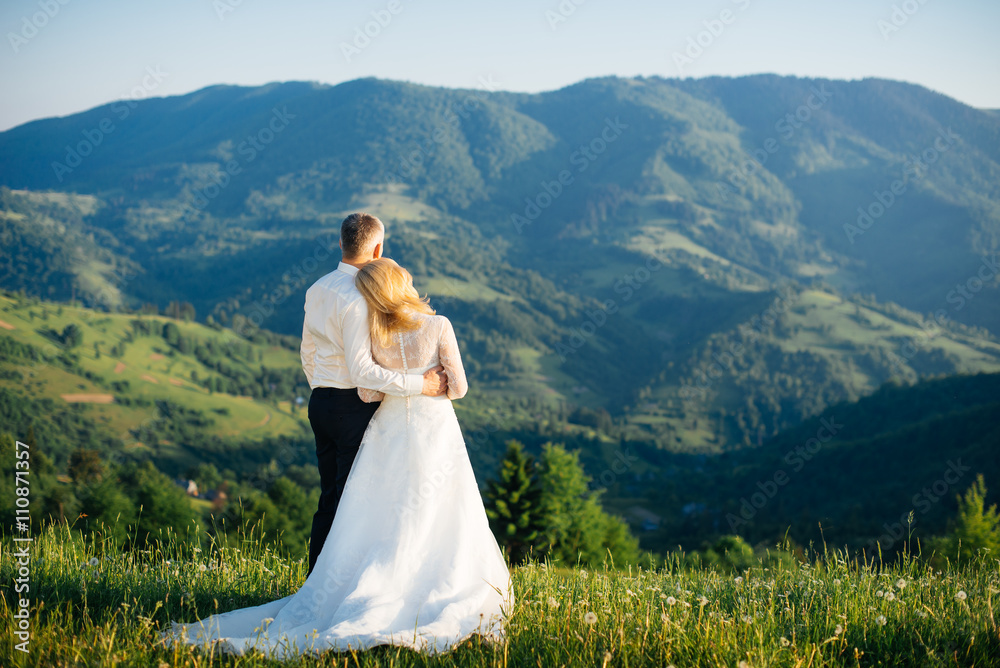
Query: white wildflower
880,620
890,596
671,600
784,641
900,583
836,582
837,631
702,601
961,596
590,618
880,593
553,603
94,561
738,579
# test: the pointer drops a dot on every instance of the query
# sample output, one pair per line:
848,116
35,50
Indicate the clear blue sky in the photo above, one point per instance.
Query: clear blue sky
95,51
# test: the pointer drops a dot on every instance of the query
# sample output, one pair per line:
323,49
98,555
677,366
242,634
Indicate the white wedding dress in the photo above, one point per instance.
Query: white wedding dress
410,559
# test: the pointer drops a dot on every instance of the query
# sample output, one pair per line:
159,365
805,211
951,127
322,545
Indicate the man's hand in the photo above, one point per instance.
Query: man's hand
435,382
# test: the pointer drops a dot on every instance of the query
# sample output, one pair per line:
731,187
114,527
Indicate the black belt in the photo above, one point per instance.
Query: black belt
337,391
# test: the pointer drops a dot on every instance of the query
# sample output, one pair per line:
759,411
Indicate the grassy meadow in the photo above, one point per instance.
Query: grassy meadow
94,605
148,367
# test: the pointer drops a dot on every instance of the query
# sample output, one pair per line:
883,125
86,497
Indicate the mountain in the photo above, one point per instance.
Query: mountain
850,476
606,247
202,402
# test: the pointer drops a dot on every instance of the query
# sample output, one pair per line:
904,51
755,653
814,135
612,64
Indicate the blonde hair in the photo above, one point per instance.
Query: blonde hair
392,300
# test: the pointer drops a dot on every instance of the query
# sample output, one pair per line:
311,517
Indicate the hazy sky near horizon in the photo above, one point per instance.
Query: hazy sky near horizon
80,54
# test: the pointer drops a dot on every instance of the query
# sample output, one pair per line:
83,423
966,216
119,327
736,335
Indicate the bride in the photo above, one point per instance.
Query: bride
410,559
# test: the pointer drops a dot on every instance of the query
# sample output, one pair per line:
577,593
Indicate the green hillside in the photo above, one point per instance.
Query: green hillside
181,395
125,379
849,476
530,218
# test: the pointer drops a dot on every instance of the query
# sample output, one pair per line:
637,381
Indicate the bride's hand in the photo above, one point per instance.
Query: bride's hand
435,382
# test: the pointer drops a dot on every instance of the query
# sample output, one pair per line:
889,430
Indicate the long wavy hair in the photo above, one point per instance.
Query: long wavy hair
393,302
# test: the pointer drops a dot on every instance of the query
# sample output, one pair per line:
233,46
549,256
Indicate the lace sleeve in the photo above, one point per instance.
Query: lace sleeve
451,360
370,396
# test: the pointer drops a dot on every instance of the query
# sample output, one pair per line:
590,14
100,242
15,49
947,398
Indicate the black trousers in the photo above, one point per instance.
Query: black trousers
339,419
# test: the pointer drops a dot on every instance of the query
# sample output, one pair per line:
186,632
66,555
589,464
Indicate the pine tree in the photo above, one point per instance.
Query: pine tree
513,504
576,527
572,526
975,528
72,336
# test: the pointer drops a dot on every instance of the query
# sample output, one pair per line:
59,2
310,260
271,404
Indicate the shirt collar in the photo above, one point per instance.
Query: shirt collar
349,269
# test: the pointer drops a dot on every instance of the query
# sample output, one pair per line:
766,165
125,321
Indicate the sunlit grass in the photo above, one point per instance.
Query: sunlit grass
146,359
93,604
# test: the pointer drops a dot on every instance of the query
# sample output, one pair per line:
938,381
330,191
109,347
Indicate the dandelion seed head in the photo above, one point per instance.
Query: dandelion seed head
837,631
590,618
880,620
901,583
671,600
961,596
784,641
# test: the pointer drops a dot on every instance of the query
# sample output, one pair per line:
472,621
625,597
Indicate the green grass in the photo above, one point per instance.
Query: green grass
153,370
92,604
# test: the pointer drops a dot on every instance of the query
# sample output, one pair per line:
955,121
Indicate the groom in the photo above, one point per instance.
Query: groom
337,359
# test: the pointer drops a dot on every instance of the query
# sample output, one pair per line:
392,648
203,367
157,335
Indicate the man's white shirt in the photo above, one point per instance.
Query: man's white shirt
336,340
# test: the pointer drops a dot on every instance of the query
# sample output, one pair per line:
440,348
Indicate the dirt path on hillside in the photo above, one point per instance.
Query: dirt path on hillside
88,398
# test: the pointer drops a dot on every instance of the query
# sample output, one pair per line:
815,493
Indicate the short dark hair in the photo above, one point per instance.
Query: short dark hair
358,233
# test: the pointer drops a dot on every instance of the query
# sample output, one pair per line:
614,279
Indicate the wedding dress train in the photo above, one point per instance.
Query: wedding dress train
410,559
